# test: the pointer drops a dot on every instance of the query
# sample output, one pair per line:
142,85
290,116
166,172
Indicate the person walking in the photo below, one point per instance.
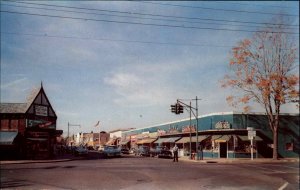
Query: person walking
175,153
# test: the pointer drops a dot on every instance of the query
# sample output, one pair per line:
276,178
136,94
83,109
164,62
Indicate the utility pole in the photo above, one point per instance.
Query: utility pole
179,105
69,130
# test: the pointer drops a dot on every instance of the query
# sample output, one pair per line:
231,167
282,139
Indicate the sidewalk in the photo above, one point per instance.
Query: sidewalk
62,158
240,160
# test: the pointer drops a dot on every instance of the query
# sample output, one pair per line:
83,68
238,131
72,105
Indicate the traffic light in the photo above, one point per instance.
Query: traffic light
179,109
174,108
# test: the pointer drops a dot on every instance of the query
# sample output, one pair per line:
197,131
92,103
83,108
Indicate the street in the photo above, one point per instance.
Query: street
129,172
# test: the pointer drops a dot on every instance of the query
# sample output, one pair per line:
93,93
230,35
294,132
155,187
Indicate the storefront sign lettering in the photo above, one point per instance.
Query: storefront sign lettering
41,110
222,125
161,132
188,129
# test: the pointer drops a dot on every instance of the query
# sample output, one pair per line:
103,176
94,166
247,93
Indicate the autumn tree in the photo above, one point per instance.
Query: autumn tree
263,71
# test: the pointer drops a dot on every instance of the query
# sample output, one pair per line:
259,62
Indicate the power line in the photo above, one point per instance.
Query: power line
112,40
156,19
217,9
252,4
155,15
140,23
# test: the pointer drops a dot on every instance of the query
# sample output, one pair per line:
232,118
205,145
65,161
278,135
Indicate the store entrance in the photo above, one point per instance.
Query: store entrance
223,150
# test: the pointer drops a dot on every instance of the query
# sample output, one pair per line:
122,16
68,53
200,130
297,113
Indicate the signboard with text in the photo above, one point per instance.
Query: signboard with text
41,110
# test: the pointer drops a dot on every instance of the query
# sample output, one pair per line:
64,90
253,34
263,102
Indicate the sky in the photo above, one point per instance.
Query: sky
124,63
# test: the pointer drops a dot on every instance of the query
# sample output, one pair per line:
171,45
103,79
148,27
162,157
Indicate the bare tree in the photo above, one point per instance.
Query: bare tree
263,71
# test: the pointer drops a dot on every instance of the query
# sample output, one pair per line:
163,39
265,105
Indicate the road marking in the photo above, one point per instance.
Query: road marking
278,171
283,186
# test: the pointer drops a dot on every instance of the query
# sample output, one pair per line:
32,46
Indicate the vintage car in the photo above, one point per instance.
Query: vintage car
125,151
80,151
111,151
143,151
161,152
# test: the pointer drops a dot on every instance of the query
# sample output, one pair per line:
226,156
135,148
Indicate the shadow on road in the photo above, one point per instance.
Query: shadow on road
13,184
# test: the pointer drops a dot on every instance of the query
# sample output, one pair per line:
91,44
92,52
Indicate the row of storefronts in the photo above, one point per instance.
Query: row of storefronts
28,130
220,135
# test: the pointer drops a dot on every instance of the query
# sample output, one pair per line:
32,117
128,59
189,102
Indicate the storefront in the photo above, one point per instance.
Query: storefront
225,135
35,124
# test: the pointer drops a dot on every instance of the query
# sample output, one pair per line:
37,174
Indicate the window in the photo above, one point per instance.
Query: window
289,146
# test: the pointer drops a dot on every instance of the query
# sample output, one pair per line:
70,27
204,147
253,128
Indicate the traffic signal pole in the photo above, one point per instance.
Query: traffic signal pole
177,107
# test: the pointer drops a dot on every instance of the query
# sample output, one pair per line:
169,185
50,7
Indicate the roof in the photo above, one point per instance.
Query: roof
13,107
118,130
211,114
19,107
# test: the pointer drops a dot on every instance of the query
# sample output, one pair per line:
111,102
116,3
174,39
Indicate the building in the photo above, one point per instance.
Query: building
115,137
28,130
222,135
91,139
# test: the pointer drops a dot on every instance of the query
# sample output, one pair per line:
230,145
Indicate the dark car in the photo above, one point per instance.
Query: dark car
125,151
161,152
143,151
81,151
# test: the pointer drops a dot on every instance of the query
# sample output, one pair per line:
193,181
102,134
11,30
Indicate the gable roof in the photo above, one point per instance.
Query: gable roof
24,107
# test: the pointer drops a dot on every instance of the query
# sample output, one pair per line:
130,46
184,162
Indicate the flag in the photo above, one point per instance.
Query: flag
97,124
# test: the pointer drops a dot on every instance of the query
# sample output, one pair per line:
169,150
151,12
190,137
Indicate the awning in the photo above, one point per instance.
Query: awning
146,141
194,139
245,138
167,140
160,140
111,142
220,138
7,137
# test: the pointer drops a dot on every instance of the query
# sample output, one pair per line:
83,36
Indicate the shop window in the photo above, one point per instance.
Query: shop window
289,146
14,124
5,124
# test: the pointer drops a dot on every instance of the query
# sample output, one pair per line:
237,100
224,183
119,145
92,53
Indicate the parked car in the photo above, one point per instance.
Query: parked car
161,152
80,151
125,151
111,151
143,151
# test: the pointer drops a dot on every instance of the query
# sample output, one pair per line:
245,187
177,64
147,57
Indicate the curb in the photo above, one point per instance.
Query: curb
37,161
248,161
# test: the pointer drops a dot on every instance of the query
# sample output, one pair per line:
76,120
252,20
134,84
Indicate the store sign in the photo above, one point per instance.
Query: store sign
161,132
222,125
188,129
41,110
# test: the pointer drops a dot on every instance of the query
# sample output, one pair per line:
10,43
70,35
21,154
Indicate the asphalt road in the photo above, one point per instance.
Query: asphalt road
142,173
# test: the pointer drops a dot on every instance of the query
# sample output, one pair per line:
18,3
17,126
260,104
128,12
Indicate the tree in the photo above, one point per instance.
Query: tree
263,72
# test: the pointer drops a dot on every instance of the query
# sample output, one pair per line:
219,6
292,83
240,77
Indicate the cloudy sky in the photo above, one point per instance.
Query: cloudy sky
124,63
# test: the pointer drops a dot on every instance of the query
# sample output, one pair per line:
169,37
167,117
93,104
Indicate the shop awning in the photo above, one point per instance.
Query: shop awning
146,141
245,138
7,137
194,139
111,142
167,140
220,138
160,140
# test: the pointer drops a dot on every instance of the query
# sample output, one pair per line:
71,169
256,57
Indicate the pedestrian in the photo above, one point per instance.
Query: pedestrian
175,153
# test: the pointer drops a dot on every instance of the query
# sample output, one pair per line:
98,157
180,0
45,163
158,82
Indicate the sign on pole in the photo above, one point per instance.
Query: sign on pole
251,135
